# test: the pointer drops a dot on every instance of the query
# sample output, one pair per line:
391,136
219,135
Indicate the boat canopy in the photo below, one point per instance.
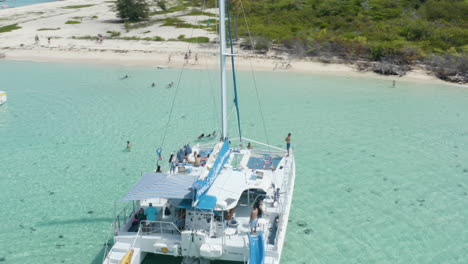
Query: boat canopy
162,185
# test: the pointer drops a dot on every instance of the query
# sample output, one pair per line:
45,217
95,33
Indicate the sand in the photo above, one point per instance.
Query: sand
99,18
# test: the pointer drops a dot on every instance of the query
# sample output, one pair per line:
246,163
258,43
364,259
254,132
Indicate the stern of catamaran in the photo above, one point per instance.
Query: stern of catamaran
196,221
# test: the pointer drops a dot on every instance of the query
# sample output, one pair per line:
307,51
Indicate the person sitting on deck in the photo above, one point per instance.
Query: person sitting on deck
140,216
181,155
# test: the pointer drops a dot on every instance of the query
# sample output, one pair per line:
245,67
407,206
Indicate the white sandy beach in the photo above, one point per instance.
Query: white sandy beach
100,19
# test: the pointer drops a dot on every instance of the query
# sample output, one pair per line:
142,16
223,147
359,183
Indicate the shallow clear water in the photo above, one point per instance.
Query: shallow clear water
18,3
382,173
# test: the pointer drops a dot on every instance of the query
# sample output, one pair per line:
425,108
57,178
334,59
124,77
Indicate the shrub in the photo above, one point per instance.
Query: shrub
44,29
9,28
76,6
113,34
162,4
72,22
134,10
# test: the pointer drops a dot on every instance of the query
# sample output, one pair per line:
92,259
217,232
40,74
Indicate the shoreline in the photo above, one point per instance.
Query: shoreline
60,41
206,60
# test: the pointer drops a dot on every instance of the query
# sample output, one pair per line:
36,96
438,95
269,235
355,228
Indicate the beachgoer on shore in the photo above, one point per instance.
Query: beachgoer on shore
36,39
169,58
186,57
48,40
196,58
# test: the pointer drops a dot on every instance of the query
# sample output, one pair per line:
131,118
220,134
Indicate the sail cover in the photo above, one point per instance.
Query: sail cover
162,185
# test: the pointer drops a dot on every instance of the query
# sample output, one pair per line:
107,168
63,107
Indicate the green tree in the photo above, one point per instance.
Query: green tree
134,10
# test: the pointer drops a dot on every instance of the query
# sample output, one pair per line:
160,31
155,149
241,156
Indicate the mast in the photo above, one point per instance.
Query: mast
222,42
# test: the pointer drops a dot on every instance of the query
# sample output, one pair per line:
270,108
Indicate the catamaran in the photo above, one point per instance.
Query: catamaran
205,209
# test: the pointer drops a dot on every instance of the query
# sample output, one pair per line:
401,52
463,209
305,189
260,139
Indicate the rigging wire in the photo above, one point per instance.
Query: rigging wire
236,101
163,140
254,79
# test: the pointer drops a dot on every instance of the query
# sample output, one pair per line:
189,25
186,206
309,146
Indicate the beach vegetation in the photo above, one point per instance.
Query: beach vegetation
176,8
113,34
84,37
155,38
146,32
162,4
133,10
198,12
9,28
94,17
193,40
73,22
178,23
45,29
129,25
76,6
397,32
78,17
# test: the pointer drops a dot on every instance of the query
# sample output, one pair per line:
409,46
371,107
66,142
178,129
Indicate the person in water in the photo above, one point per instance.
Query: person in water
125,77
129,146
153,85
170,84
201,136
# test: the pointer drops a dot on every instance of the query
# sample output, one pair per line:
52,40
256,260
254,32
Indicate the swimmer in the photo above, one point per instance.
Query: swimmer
153,85
170,84
201,136
129,146
125,77
214,133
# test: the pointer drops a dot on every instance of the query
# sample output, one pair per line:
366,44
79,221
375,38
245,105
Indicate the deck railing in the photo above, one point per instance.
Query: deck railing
284,201
158,227
126,214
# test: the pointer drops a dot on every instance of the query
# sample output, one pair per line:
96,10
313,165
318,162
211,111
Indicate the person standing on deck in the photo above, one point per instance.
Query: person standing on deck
150,214
253,219
288,143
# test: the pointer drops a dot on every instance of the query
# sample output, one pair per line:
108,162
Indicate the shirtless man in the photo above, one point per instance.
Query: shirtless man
253,220
288,142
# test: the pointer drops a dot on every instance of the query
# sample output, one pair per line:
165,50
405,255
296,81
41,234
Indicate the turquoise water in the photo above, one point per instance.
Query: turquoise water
382,173
18,3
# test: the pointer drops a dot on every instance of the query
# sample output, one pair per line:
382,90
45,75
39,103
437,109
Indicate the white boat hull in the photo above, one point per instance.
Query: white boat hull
3,97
